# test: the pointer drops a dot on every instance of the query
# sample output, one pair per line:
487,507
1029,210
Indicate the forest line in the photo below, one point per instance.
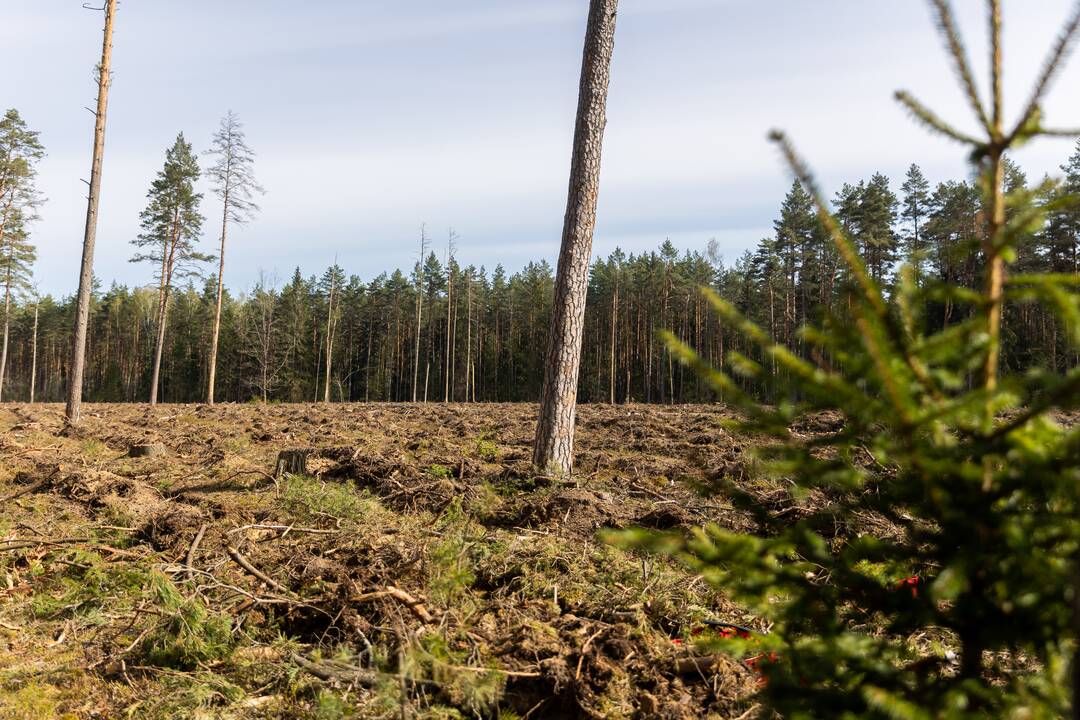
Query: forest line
448,332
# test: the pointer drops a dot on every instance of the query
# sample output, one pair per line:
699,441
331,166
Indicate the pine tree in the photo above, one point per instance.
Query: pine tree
234,181
171,225
916,191
20,151
17,257
878,240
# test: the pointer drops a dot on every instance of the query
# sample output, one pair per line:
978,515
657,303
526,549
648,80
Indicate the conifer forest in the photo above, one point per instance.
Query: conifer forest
479,328
832,476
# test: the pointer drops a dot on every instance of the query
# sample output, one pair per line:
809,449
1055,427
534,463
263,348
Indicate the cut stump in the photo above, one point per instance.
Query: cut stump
151,450
291,462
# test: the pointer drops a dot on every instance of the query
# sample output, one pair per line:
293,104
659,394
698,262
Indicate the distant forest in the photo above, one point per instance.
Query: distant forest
463,333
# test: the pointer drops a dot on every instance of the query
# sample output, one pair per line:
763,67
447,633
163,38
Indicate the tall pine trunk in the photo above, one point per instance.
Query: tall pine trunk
7,328
449,327
554,449
419,313
86,272
329,338
33,354
614,324
216,335
159,344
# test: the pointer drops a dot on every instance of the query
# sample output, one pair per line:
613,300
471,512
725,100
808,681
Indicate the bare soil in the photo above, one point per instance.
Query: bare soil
151,565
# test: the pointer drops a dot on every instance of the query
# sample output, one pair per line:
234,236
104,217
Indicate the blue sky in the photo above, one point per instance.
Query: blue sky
373,116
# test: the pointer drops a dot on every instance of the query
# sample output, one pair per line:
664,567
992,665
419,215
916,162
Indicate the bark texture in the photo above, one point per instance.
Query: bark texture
86,273
554,450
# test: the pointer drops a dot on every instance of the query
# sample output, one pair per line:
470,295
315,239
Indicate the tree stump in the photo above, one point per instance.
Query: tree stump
151,450
291,462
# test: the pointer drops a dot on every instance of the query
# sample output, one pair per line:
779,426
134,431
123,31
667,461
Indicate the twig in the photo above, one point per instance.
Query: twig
19,543
256,572
285,528
189,560
508,673
415,606
585,649
338,672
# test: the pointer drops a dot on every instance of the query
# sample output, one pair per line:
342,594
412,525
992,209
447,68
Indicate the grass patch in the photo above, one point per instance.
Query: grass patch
308,498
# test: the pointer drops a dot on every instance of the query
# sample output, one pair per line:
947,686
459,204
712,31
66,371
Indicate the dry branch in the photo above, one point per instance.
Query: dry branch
256,572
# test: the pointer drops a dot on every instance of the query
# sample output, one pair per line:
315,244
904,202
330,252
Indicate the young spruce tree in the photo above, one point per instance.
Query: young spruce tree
969,606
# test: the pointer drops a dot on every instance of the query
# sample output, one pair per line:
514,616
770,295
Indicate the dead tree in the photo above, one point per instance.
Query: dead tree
449,312
419,309
234,182
553,452
86,273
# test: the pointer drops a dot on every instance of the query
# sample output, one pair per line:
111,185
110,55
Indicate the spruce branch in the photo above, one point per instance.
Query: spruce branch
954,44
930,120
1055,60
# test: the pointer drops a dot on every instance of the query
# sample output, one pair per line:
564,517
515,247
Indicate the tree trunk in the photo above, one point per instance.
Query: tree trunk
419,313
159,345
614,323
7,327
468,335
217,311
33,354
329,338
553,453
86,273
449,326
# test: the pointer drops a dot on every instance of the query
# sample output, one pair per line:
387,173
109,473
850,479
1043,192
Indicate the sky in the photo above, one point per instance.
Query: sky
371,117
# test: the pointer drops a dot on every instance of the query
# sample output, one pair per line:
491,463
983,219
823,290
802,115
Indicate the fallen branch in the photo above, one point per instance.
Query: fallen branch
218,584
415,606
508,673
189,560
286,529
337,672
256,572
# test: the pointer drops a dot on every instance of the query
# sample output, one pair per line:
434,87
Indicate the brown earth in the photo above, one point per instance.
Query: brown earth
419,570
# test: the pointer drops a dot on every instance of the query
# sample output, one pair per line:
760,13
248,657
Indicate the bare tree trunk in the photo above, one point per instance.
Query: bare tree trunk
159,345
33,354
449,314
7,327
216,335
614,323
329,336
468,334
86,273
419,312
449,336
554,450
